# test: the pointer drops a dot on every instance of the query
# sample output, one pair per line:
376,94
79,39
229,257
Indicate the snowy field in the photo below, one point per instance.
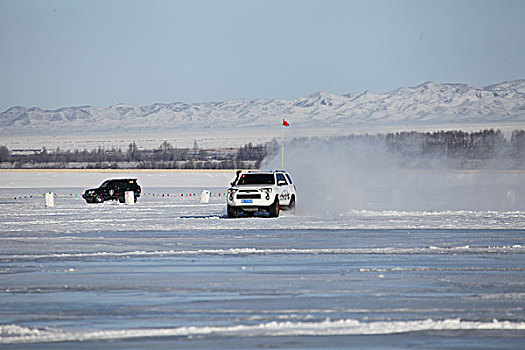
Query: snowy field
222,138
435,271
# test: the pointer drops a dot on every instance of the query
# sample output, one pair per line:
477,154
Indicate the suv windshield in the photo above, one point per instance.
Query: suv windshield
104,184
256,179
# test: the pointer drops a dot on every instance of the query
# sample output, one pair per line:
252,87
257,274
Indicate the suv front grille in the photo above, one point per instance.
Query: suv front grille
249,196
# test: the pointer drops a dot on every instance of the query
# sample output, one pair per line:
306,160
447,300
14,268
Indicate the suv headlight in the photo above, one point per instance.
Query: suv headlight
231,192
267,191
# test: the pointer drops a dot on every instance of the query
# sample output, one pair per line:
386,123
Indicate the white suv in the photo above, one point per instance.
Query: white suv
254,191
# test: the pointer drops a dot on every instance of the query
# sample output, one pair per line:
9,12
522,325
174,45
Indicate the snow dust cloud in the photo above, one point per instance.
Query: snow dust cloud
342,175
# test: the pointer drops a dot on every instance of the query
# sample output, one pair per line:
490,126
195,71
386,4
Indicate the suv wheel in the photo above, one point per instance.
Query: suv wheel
291,206
232,213
274,209
98,199
122,200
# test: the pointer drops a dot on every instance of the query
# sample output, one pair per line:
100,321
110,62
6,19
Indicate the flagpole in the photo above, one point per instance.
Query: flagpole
282,149
285,124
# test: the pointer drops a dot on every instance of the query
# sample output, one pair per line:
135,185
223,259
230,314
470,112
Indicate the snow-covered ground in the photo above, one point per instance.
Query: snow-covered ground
170,271
223,138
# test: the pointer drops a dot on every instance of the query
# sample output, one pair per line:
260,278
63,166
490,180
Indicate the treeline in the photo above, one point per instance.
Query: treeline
165,157
485,144
466,149
459,149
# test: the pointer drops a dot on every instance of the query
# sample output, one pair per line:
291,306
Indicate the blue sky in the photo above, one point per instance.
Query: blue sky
70,53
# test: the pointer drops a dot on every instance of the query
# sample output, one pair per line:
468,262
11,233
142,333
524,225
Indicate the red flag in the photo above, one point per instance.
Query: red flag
285,123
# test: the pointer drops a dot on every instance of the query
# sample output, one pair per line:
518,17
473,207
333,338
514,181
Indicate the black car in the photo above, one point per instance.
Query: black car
113,189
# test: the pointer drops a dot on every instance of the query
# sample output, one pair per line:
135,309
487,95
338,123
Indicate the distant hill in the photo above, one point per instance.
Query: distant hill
426,104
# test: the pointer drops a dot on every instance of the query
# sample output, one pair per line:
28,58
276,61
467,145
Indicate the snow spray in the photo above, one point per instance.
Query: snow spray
341,175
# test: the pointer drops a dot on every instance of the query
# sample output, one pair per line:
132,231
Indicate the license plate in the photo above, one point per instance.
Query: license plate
247,201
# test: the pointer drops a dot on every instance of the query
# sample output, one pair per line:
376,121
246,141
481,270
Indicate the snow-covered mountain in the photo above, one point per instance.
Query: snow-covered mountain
426,104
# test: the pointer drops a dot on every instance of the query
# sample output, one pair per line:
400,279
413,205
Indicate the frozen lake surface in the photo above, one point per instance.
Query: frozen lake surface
172,272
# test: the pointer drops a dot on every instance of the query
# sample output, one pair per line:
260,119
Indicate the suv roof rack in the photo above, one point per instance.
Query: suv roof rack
266,171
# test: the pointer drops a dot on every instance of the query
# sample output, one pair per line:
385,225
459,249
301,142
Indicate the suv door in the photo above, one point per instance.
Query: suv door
112,189
283,189
122,188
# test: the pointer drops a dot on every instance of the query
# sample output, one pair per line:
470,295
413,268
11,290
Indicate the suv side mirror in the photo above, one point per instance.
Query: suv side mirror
281,183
